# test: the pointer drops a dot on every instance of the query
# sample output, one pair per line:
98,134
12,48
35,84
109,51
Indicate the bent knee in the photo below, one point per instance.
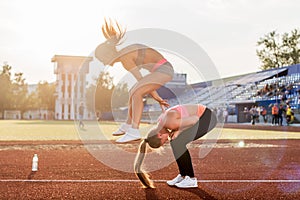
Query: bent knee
137,94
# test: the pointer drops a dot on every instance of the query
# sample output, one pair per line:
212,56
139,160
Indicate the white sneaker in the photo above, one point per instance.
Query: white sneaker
131,135
177,179
187,182
121,131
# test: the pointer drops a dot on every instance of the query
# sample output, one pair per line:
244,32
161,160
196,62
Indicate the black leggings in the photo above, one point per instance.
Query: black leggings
205,124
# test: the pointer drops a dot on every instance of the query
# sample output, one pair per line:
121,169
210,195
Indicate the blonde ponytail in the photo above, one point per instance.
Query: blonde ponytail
113,31
142,175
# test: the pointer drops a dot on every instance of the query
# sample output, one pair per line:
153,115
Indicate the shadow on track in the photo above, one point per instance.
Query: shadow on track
31,175
151,194
200,193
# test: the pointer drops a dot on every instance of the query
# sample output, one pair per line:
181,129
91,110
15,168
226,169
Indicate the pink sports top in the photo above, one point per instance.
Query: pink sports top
184,112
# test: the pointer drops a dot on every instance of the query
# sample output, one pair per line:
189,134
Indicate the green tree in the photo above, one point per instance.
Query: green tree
120,96
275,50
99,94
5,88
14,93
45,94
103,93
90,97
33,101
291,47
18,97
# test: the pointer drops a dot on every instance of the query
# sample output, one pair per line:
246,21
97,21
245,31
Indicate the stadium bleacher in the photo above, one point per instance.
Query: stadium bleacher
285,82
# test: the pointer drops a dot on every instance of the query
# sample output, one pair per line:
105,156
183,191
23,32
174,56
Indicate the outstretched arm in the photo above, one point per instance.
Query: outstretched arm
163,103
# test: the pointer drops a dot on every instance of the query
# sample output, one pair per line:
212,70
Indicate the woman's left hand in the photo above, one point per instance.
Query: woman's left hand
163,104
173,135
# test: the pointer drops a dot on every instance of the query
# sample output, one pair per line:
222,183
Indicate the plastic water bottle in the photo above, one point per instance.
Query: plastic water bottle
35,161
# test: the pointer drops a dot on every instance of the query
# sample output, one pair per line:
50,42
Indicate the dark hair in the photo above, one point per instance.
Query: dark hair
153,142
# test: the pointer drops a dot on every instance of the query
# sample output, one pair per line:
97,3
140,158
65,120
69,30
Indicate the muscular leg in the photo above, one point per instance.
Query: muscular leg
146,85
129,114
183,158
137,102
181,153
205,124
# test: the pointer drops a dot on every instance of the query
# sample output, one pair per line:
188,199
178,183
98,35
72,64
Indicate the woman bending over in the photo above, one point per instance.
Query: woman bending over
180,124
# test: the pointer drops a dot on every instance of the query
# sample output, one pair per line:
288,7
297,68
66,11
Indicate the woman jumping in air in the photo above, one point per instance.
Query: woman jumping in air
181,124
134,58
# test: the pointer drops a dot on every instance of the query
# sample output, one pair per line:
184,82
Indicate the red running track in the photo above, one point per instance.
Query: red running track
262,169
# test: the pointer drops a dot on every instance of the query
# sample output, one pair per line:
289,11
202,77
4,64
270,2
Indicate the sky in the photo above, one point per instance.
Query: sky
33,31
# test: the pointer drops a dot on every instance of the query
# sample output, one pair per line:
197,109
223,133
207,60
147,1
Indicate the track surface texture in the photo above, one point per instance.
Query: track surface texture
257,169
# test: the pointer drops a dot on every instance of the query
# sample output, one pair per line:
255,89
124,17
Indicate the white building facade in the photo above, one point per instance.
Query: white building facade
70,85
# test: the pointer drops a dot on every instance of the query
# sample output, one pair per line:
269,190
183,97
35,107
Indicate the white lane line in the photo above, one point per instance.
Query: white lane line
122,180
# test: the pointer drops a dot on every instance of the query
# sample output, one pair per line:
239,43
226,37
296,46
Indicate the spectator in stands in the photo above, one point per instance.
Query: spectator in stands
263,113
299,103
275,114
258,112
219,115
289,115
254,114
246,113
284,96
259,93
266,89
289,88
281,111
225,115
282,88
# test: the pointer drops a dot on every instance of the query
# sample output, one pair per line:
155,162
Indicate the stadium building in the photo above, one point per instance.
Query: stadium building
70,85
